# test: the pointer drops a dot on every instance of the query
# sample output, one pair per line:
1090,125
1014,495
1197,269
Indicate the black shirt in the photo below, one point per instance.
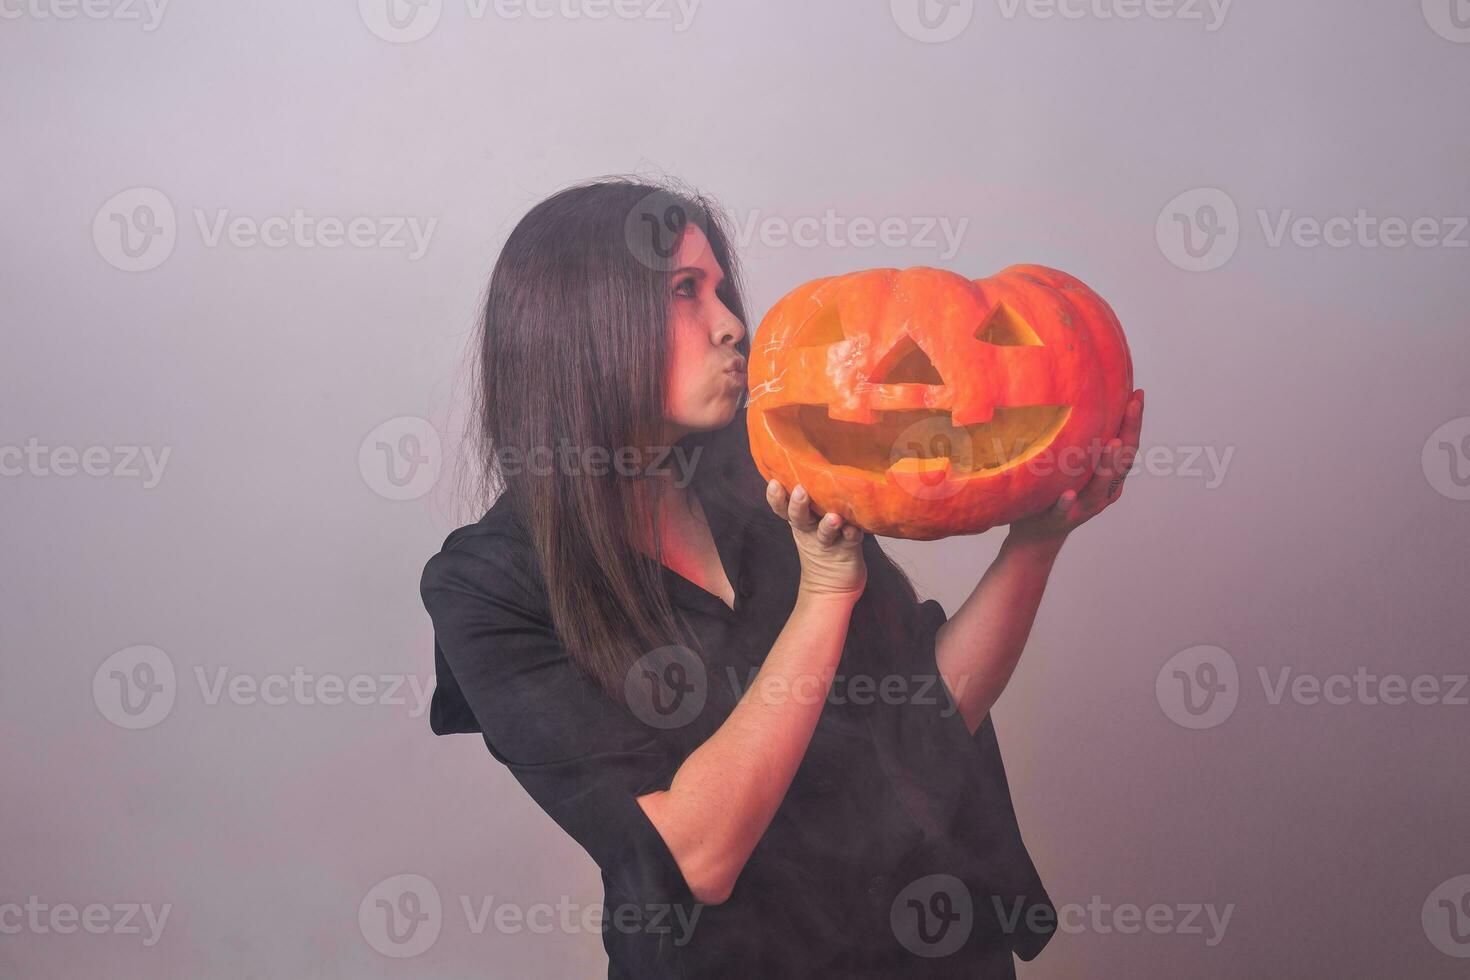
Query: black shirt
895,851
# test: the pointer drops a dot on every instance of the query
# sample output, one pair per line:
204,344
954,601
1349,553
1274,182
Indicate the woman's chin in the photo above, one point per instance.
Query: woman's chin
716,415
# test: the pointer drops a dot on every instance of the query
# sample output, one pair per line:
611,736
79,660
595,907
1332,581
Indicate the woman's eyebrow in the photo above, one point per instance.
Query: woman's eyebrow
695,270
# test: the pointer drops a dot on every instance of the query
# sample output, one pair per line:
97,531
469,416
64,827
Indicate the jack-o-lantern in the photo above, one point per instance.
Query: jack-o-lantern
920,404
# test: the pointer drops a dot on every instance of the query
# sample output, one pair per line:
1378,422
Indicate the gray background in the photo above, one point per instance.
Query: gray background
1333,541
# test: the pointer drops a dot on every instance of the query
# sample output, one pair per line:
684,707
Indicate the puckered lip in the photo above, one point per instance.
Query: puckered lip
737,368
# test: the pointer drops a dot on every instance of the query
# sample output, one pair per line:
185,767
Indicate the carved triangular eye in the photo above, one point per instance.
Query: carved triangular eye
907,364
823,329
1005,328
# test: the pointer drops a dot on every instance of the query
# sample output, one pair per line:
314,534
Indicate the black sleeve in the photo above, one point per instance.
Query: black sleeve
582,757
954,782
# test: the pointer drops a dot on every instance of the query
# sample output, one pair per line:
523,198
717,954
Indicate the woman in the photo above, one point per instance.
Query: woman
780,759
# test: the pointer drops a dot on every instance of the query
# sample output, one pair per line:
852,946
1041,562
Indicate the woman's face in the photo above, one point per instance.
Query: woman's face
706,373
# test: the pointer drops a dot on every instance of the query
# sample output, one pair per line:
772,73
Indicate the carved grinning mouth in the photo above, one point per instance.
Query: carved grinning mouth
922,435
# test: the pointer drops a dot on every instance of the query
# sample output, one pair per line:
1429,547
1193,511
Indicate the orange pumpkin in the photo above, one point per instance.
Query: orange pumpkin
920,404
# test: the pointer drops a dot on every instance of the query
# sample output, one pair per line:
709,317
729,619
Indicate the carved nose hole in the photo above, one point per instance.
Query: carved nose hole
907,364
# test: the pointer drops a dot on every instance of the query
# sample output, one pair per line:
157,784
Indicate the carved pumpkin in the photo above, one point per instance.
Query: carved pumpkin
919,404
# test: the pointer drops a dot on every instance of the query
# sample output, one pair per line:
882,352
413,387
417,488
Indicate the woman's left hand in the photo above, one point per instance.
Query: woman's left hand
1074,508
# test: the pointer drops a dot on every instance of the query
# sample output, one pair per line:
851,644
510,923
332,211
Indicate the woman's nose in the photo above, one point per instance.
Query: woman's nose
729,330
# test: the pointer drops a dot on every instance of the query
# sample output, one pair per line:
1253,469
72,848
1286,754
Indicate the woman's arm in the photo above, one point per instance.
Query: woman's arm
977,648
723,796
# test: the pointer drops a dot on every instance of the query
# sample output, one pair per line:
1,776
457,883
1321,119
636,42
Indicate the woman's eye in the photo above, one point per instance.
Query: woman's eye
685,287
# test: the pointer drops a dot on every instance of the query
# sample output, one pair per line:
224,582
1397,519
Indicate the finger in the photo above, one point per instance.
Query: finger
829,528
1129,455
776,498
852,534
1132,426
1094,491
797,510
1106,487
1106,479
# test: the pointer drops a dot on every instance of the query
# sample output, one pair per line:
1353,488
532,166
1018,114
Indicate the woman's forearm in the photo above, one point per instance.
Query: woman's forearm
978,647
726,792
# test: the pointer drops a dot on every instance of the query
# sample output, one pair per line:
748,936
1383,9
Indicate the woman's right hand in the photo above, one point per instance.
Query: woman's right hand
831,550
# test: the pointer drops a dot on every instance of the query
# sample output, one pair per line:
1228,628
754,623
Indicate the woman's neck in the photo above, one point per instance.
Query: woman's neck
676,505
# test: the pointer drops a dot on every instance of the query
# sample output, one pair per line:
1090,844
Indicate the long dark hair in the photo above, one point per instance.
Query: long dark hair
573,353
